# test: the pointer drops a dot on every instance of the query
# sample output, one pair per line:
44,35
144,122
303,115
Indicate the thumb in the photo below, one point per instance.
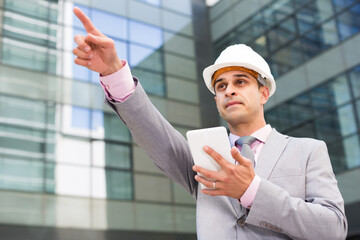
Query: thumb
101,41
237,156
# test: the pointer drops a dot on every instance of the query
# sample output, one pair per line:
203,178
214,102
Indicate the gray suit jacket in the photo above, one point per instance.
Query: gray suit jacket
298,196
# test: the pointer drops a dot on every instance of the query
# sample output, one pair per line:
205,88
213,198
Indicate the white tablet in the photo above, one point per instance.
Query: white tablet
216,138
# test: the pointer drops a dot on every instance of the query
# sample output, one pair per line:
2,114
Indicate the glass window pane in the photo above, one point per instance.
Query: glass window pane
179,44
330,95
98,183
50,183
177,23
106,22
306,130
24,55
75,120
311,43
21,175
337,156
72,180
284,33
152,2
152,188
272,119
352,151
113,155
50,145
29,29
118,184
80,118
145,58
117,155
305,19
333,126
121,48
340,90
52,64
355,81
290,114
328,127
340,4
225,41
182,90
278,11
283,116
260,46
146,34
329,36
299,110
287,58
74,151
97,124
319,39
358,110
39,9
81,94
183,6
179,66
22,112
346,120
314,13
251,29
115,129
153,83
22,142
348,22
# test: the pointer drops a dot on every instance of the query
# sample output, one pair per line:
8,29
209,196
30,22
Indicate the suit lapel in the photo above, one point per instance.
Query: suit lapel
273,148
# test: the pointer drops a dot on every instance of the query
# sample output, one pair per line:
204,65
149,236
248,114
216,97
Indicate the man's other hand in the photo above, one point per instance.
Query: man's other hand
95,51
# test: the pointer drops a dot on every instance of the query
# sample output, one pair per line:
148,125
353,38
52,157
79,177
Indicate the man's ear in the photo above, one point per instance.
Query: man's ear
265,94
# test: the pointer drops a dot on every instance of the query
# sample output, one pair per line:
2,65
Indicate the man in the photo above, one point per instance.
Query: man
291,193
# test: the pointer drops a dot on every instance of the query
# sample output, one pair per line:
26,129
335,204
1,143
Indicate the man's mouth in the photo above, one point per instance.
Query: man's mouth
231,103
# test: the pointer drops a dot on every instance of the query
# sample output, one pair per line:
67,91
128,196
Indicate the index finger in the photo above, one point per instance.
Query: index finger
237,156
216,156
89,27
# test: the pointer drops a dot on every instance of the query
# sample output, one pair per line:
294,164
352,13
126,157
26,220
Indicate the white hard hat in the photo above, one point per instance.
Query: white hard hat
242,56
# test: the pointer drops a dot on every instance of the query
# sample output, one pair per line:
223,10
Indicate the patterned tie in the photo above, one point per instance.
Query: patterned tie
246,151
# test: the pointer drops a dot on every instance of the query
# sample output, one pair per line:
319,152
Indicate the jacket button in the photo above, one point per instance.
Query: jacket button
241,221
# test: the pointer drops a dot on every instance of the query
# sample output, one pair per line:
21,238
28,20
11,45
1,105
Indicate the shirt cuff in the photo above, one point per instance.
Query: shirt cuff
248,197
119,85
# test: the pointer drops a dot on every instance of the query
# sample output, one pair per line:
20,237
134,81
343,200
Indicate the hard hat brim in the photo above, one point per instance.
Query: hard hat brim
209,71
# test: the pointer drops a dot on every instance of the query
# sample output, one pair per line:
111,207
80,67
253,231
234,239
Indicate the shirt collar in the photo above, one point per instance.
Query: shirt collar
261,134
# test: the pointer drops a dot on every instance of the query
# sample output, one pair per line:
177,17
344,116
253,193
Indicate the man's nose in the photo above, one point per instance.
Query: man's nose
230,91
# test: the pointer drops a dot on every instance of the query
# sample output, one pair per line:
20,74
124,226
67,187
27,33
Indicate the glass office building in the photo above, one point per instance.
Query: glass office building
66,160
69,168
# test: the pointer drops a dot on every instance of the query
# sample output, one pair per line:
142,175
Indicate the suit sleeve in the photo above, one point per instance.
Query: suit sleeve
167,148
320,215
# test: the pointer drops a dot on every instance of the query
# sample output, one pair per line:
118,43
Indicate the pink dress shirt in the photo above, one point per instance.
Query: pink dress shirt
118,91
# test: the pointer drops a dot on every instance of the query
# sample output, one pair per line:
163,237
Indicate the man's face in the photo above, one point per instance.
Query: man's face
239,98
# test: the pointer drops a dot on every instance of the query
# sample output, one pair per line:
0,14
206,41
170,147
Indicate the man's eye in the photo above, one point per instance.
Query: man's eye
221,86
241,81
